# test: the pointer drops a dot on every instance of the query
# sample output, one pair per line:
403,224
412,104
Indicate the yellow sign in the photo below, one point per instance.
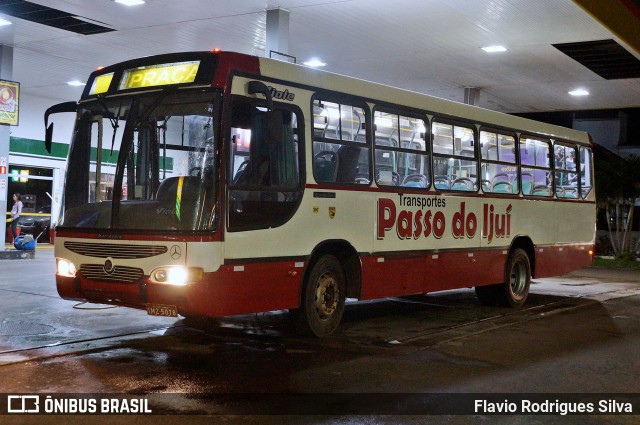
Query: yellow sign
159,75
332,212
9,96
101,84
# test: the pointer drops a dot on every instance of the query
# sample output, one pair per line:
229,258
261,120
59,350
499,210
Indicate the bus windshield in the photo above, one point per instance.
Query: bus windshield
145,162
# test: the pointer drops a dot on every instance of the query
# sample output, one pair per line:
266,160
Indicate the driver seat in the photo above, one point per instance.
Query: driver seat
168,188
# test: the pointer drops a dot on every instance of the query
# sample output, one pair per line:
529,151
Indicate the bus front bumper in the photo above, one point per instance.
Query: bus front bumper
226,292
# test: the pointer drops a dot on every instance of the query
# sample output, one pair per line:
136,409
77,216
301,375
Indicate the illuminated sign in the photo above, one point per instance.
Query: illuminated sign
101,84
22,176
9,96
159,75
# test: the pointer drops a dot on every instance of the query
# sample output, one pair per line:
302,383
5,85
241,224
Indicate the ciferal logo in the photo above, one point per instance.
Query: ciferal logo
23,404
175,252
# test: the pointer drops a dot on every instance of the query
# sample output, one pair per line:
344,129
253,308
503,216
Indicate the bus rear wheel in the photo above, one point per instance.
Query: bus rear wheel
514,290
323,298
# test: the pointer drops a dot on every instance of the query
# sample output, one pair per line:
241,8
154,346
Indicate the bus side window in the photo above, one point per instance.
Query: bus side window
265,166
454,162
401,151
586,171
499,168
340,151
566,178
536,166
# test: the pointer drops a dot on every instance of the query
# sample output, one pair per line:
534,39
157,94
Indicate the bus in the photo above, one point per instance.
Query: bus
211,184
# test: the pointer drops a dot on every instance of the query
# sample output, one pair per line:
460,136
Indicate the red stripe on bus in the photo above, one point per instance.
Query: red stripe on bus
230,63
263,286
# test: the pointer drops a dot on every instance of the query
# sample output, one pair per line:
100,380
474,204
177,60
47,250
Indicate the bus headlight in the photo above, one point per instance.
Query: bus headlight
66,268
176,275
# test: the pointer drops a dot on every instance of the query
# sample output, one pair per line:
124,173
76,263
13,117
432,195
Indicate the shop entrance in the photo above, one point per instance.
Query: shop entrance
34,185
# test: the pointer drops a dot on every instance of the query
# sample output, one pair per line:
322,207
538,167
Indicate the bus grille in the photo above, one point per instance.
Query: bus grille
120,273
104,250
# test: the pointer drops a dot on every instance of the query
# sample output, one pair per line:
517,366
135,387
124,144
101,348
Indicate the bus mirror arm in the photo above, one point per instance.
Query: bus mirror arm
255,87
60,107
274,120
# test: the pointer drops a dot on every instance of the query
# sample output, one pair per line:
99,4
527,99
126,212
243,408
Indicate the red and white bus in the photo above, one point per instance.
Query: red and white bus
212,184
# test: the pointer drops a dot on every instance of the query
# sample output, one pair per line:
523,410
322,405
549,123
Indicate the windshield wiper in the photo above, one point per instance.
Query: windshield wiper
135,120
115,125
113,120
145,116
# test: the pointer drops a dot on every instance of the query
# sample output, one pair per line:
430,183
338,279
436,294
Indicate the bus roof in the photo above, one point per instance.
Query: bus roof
375,92
214,68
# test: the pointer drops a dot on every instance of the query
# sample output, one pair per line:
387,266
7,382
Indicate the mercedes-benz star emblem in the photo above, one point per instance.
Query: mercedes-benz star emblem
109,267
175,252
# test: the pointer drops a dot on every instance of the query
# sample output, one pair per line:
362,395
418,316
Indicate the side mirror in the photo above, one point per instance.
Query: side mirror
60,107
48,138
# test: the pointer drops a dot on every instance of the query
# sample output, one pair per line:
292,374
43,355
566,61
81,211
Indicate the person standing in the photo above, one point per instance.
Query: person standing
16,211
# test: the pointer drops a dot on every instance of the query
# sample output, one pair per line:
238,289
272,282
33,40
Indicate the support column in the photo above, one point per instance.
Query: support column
472,95
277,32
6,73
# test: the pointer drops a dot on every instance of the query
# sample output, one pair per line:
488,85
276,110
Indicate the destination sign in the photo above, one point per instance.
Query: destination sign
101,83
159,75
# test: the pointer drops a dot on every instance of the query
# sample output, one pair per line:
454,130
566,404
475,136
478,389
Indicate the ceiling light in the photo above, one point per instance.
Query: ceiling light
75,83
494,49
4,22
579,92
130,2
314,63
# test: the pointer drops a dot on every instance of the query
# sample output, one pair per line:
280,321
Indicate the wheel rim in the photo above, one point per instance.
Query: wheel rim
327,296
518,279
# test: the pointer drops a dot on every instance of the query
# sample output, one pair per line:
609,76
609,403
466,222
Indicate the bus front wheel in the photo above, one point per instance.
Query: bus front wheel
514,290
323,297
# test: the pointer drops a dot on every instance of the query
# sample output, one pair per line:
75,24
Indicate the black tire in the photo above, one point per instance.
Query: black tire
514,290
323,297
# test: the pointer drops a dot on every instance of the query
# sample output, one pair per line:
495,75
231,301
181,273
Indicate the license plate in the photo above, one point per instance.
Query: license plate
162,310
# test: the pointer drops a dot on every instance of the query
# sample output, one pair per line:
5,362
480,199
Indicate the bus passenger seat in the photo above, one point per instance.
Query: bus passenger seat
415,180
527,183
442,182
570,192
254,171
387,178
347,164
502,186
325,166
541,190
167,191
